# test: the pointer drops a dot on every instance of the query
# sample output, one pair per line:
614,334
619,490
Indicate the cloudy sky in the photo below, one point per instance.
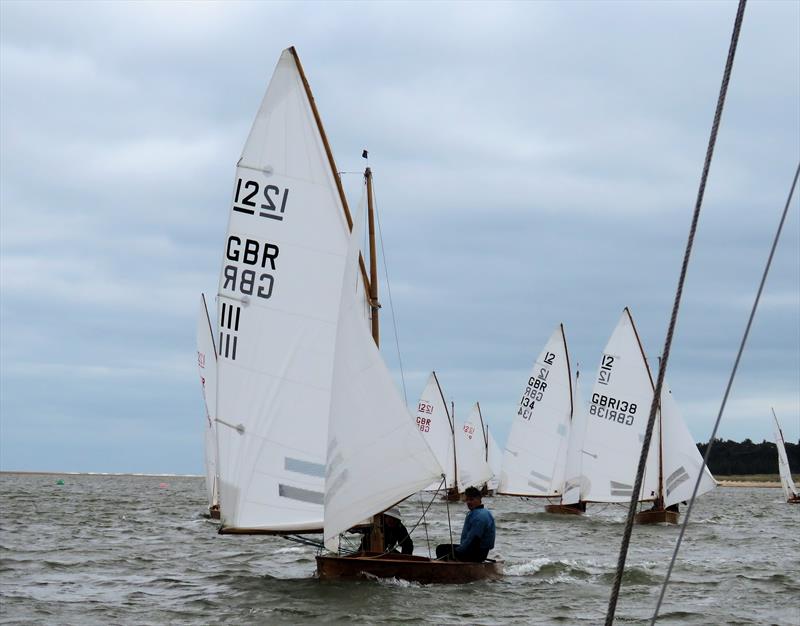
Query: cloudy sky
534,164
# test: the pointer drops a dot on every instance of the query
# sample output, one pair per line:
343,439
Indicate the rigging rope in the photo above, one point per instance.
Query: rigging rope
725,396
626,537
389,292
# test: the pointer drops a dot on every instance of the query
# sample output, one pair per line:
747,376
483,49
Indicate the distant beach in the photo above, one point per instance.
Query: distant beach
772,481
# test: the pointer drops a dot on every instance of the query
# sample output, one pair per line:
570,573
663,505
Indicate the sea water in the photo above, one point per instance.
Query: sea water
137,550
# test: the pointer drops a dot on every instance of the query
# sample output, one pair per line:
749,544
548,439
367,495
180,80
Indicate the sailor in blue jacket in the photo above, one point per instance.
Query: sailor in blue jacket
477,535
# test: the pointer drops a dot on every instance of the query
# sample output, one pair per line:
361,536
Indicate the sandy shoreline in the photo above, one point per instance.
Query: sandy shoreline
749,483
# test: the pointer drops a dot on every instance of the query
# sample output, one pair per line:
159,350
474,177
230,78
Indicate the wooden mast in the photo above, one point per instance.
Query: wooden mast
376,533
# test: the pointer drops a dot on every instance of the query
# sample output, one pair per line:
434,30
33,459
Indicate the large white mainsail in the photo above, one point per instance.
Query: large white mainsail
536,451
789,488
617,419
436,426
473,470
207,367
278,305
376,455
681,459
575,485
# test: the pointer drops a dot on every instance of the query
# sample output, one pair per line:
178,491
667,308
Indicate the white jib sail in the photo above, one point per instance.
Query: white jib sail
278,305
574,482
789,488
682,459
434,422
617,419
207,367
473,470
495,458
376,455
536,452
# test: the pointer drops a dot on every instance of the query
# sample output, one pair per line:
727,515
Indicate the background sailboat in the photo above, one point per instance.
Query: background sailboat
207,367
473,468
787,483
616,421
436,425
534,462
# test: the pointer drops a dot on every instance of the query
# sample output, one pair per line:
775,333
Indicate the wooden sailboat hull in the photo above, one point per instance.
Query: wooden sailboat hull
661,516
793,500
405,567
562,509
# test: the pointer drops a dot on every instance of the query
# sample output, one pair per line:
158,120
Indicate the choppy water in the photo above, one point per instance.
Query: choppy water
121,549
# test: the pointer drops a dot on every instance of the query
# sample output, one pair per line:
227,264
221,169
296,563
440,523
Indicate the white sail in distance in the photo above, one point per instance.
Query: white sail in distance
436,426
473,470
682,461
574,482
617,418
534,462
376,455
495,460
787,483
278,306
207,368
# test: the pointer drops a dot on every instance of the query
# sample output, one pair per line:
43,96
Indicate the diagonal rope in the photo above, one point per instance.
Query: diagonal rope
725,397
626,538
389,292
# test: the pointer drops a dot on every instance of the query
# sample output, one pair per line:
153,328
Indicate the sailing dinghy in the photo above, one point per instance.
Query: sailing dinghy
376,455
789,488
621,398
436,426
473,465
207,367
534,463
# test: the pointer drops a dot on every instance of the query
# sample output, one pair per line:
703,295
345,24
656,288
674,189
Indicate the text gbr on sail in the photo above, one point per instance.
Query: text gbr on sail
254,254
612,409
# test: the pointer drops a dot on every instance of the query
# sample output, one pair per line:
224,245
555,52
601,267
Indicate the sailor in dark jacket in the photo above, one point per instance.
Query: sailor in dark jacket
395,534
477,535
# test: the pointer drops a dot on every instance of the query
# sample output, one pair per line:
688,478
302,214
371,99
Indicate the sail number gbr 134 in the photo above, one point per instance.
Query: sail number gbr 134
536,387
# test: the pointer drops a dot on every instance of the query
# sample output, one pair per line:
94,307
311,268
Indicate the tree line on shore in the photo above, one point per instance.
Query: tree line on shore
729,458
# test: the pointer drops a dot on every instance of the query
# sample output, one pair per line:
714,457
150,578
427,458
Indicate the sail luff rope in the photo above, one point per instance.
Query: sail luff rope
612,602
725,397
389,293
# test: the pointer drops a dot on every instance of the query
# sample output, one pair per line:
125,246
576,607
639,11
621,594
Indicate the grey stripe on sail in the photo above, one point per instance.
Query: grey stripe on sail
336,484
677,478
620,489
304,467
542,476
537,486
304,495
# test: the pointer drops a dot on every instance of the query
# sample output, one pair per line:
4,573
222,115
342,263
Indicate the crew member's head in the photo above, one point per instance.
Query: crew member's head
473,497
